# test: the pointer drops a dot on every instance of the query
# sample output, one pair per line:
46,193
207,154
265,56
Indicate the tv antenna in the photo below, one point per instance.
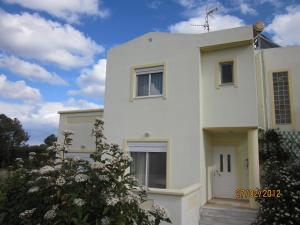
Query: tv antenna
208,12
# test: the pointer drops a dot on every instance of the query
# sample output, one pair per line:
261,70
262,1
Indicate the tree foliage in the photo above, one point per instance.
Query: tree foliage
50,140
59,190
281,171
12,136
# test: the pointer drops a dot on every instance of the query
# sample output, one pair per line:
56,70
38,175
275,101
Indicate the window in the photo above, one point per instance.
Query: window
149,81
226,69
149,163
221,162
281,98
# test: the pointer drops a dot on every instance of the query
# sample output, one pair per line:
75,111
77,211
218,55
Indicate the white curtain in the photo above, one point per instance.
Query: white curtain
138,167
156,84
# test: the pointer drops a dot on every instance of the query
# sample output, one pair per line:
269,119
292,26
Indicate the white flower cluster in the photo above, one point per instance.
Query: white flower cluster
126,157
60,181
32,154
161,211
81,178
112,201
132,197
19,160
33,189
67,132
103,177
78,202
97,165
50,214
46,169
27,213
105,221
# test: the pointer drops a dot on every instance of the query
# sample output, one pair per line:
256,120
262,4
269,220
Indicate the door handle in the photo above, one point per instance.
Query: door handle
217,172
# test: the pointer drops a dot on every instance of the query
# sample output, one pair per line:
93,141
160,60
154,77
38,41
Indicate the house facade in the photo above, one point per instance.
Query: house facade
188,108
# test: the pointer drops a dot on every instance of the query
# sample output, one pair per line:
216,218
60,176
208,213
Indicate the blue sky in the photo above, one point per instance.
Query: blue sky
53,52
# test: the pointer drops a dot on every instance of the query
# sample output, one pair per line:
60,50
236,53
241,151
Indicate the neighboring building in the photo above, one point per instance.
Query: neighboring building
81,122
188,108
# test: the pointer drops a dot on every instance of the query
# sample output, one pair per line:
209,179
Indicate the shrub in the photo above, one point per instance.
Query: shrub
75,191
281,171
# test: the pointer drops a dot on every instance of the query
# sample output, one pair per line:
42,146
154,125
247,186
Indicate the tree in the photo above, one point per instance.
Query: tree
50,140
280,180
77,192
12,136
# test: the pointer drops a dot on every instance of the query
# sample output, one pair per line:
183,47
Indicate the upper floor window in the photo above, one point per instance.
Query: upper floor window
149,81
226,69
282,105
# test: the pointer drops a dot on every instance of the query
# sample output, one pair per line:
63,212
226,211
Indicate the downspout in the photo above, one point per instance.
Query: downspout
264,81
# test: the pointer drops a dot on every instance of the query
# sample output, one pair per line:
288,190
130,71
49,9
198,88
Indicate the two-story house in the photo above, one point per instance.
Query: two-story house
188,108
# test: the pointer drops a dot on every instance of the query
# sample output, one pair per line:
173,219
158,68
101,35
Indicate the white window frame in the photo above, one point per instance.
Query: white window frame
147,158
221,73
149,70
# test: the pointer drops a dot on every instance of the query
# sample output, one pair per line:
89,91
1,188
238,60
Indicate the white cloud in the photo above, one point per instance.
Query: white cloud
31,36
217,22
30,71
41,119
70,10
285,27
153,4
246,8
18,90
187,3
92,81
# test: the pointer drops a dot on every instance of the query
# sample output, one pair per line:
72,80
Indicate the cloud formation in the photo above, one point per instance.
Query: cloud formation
70,11
41,119
17,90
217,22
31,36
285,27
91,81
30,71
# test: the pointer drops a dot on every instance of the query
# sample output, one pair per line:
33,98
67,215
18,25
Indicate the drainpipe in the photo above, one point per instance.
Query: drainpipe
264,81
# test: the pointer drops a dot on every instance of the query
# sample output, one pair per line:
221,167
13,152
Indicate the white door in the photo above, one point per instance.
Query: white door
225,179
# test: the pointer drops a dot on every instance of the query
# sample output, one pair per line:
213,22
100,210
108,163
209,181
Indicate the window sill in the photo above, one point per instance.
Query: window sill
149,96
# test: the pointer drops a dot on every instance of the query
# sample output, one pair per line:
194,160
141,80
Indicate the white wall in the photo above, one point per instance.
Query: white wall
230,105
176,117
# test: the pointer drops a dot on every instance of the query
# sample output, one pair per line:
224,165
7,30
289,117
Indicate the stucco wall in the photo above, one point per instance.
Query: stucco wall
176,117
229,105
283,59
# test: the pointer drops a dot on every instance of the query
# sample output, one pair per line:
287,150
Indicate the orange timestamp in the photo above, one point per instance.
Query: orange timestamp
241,193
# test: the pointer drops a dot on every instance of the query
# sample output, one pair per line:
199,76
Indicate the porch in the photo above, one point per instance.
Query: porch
232,163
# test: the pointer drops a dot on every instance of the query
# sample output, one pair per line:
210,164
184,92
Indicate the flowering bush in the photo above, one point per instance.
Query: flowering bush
75,191
281,171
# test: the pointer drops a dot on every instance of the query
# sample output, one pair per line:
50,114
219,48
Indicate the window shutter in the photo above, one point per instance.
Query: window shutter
147,70
147,146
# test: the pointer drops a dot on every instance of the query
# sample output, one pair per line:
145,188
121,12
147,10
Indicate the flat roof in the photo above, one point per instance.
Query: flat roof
81,111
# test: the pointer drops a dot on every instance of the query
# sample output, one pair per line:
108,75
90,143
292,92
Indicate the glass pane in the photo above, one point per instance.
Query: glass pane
157,169
227,72
221,162
281,98
228,163
156,83
143,85
138,167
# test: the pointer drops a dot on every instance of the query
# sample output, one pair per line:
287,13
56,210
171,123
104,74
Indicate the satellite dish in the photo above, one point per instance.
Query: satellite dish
259,26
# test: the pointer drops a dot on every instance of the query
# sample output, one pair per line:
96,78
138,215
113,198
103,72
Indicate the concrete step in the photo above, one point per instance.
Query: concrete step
224,215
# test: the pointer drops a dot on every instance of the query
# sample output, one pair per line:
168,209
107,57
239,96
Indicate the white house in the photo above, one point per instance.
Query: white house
188,108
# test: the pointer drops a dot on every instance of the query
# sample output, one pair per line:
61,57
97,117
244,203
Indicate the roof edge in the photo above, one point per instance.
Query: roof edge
81,111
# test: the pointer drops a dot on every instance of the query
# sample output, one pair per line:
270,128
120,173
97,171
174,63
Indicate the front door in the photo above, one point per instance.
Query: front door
225,180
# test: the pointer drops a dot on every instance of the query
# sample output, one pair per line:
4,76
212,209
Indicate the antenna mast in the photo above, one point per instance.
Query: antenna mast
207,14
